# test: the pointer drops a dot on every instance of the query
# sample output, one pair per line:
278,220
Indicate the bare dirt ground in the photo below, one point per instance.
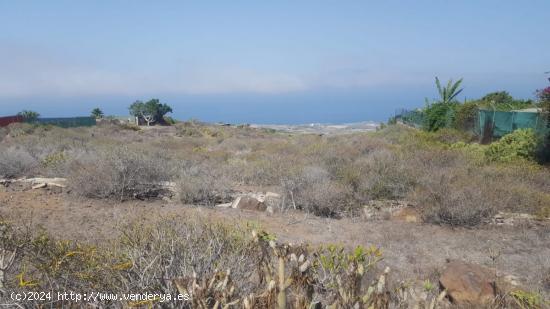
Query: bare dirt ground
413,250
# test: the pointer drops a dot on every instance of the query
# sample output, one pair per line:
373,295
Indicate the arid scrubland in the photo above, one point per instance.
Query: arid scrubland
448,180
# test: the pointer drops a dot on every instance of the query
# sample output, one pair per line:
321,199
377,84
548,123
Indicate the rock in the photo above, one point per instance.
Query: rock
406,214
512,280
248,203
272,201
40,185
391,210
52,182
224,205
509,218
258,201
272,195
368,212
468,284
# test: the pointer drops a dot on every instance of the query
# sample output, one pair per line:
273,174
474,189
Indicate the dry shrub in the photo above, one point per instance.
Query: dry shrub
451,189
16,162
264,170
146,258
171,248
212,262
386,175
454,188
313,190
121,172
455,199
546,279
203,184
15,130
3,132
451,136
352,169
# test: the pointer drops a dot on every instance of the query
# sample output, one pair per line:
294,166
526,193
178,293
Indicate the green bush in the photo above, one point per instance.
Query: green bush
520,144
503,101
475,152
438,115
169,120
465,116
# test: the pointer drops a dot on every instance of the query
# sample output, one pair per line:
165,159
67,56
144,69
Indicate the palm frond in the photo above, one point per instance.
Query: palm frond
449,92
456,85
453,90
439,89
455,95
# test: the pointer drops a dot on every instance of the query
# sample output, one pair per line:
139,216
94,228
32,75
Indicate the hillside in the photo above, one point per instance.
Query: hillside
125,209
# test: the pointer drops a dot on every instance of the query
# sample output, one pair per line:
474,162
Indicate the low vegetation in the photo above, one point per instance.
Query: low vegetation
520,144
448,178
171,256
121,172
213,265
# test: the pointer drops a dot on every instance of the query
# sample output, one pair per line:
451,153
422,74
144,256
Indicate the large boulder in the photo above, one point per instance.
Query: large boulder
468,284
249,203
259,201
395,210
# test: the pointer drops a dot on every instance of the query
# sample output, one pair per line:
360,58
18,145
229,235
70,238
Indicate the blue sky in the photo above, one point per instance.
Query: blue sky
260,61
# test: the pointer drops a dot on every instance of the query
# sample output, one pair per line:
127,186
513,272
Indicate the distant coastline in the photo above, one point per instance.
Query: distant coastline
323,128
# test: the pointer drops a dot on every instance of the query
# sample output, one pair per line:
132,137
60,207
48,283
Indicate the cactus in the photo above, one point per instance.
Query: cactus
290,279
217,292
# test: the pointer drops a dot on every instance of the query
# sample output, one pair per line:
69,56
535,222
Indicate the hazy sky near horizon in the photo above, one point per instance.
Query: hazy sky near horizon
260,61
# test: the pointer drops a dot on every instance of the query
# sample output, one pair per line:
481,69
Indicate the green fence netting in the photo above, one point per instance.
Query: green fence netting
70,122
501,123
493,123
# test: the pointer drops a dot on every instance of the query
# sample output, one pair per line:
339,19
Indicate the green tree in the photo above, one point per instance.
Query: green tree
503,101
97,113
151,111
440,114
498,97
28,115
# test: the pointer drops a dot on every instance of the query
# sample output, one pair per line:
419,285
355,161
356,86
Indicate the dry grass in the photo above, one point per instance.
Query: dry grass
325,175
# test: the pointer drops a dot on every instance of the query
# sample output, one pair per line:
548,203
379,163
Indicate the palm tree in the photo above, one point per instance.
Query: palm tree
448,93
97,113
28,115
